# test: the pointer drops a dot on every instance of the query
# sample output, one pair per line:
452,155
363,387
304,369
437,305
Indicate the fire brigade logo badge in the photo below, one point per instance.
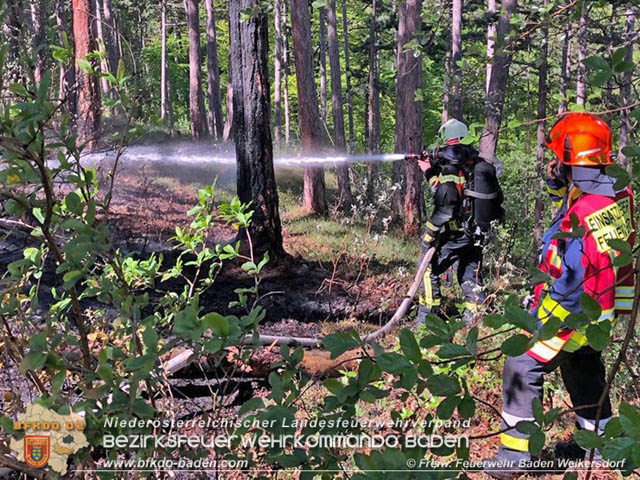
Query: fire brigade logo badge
36,450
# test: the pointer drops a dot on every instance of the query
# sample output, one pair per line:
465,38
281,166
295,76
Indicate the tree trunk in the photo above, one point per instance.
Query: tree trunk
456,57
166,103
67,72
111,36
498,84
323,63
249,45
104,65
14,31
409,112
196,98
216,122
565,67
228,124
39,20
625,89
163,60
541,130
345,198
581,84
314,200
491,40
88,107
285,54
373,110
347,67
277,68
446,83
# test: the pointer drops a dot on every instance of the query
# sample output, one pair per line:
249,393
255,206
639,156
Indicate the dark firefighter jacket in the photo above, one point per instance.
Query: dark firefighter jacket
447,183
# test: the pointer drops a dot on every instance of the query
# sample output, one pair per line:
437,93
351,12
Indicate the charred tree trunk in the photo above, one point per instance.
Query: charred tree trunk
581,84
39,20
409,112
277,68
323,63
314,199
565,67
541,130
498,84
88,108
491,39
456,57
373,106
196,99
345,198
285,54
347,67
216,121
249,45
66,92
625,89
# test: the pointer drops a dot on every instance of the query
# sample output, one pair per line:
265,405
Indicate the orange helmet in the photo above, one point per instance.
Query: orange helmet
581,139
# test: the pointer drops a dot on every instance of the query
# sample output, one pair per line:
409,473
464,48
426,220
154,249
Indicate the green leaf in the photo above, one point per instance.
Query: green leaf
254,403
516,345
576,320
550,328
630,420
365,372
443,385
588,439
409,345
218,324
590,306
340,342
494,321
393,362
85,66
613,428
528,427
447,406
472,340
70,278
33,361
597,338
596,62
618,449
538,411
452,350
536,442
73,203
521,318
467,407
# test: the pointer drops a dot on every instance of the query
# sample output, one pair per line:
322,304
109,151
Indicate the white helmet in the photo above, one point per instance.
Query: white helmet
453,130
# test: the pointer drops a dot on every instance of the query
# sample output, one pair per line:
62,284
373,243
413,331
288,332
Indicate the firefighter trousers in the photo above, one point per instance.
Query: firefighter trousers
451,249
583,374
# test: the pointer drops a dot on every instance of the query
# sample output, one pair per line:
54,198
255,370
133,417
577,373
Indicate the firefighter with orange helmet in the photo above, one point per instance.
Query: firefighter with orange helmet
577,254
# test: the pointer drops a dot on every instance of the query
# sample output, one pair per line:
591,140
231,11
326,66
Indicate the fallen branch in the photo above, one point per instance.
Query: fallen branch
181,360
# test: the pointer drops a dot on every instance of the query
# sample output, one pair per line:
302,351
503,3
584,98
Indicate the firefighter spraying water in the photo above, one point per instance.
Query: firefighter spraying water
467,202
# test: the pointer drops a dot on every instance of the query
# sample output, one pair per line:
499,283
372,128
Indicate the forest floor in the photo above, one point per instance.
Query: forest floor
341,273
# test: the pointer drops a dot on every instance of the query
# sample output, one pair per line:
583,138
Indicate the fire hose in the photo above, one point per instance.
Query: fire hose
181,360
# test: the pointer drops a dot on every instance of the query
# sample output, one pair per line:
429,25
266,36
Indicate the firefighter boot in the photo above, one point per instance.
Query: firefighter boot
506,464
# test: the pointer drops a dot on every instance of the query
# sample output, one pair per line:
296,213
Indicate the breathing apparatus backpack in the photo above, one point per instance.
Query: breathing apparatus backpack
482,196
